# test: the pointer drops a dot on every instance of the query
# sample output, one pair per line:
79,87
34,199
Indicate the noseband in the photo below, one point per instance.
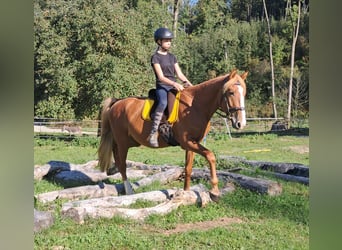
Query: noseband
230,110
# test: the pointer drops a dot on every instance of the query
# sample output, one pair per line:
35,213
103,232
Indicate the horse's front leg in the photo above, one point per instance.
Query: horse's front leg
210,157
214,192
189,159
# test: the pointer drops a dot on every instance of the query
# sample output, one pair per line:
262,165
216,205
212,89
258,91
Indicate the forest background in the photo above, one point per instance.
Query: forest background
87,50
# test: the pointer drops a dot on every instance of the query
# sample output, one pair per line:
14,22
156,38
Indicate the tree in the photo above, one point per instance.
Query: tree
175,16
271,62
86,50
295,20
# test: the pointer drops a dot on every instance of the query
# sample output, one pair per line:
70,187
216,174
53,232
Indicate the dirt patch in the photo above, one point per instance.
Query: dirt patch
201,226
301,149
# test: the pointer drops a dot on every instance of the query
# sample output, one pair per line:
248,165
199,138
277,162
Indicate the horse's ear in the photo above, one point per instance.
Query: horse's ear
232,73
244,75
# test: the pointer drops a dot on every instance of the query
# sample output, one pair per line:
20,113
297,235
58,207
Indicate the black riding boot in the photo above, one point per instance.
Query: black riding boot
153,137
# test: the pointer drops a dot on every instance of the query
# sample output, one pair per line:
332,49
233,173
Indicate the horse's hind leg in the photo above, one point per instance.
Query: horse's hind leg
189,159
120,155
114,169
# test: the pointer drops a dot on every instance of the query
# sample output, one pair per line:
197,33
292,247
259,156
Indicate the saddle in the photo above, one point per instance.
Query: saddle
170,114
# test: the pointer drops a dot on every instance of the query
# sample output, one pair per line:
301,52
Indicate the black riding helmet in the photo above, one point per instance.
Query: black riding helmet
162,33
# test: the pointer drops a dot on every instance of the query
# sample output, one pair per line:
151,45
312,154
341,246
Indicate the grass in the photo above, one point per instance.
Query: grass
279,222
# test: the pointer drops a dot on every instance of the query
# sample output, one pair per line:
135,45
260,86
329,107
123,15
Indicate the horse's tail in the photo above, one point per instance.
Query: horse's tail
105,151
99,123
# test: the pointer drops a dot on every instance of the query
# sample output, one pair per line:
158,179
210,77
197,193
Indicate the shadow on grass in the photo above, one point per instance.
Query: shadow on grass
61,137
287,132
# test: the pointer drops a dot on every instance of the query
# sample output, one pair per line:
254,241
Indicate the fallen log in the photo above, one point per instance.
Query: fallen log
278,167
259,185
286,177
75,193
143,166
80,175
108,207
53,167
40,171
293,178
42,220
101,189
281,167
131,174
72,175
162,177
76,178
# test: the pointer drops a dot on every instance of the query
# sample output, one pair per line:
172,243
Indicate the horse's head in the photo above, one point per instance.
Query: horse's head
233,103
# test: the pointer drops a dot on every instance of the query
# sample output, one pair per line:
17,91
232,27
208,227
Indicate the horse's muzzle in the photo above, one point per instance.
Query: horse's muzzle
237,124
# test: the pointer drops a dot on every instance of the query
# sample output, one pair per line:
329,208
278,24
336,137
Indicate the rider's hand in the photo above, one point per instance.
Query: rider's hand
179,87
187,84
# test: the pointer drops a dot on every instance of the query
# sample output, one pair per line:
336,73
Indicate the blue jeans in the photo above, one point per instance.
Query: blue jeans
161,94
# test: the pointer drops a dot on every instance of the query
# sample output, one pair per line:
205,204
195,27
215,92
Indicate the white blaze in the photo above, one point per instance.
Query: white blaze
242,105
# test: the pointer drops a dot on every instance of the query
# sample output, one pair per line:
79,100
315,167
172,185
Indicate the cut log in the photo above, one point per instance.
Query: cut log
286,177
259,185
281,167
278,167
101,190
54,167
77,178
71,175
42,220
131,174
40,171
108,207
293,178
143,166
162,177
76,193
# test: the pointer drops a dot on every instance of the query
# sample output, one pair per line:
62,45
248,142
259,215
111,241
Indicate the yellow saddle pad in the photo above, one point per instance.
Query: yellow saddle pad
148,104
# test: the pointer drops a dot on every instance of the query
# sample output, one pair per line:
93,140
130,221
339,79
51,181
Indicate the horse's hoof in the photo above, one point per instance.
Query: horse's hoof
214,197
111,171
128,188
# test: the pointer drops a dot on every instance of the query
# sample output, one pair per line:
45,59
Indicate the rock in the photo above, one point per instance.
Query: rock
42,220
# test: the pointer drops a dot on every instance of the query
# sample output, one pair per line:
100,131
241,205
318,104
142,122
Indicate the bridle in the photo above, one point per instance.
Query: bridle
230,110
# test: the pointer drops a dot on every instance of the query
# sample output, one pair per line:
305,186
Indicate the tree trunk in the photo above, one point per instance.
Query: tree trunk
293,50
175,17
275,113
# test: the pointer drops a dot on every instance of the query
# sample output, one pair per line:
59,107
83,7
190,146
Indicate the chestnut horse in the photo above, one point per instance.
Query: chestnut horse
122,125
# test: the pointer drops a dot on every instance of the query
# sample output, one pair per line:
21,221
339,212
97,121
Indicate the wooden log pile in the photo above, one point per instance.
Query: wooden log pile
89,196
107,207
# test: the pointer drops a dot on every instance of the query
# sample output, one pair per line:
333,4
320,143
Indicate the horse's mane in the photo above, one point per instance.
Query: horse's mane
214,80
224,79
